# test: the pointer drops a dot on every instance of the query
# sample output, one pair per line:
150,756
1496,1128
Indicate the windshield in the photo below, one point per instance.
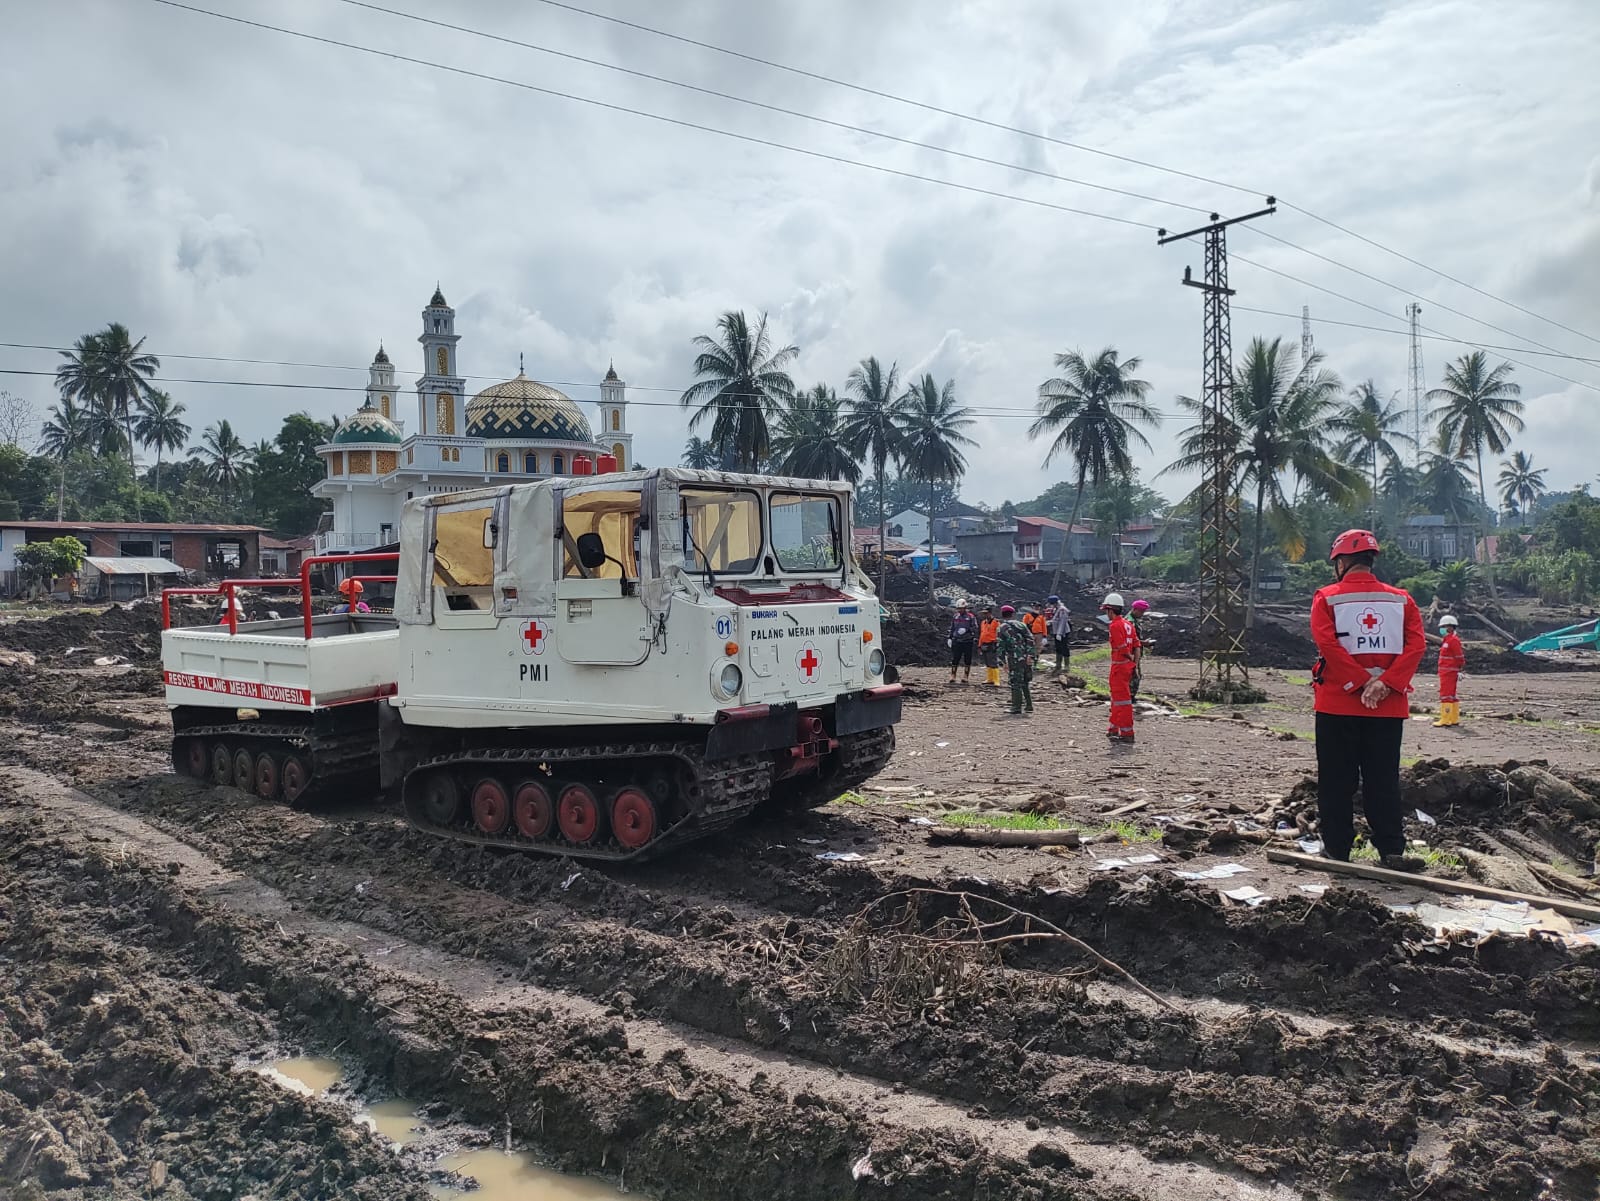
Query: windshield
805,531
721,530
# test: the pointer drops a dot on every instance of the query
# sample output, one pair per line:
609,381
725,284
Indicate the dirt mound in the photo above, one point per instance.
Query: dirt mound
1269,644
133,632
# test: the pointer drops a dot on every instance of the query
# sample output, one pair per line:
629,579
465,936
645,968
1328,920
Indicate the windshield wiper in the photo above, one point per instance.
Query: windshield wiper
688,540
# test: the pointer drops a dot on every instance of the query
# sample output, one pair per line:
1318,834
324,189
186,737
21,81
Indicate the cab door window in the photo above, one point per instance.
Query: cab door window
614,515
463,557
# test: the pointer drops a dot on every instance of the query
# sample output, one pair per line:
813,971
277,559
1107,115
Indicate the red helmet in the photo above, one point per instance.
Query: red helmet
1353,542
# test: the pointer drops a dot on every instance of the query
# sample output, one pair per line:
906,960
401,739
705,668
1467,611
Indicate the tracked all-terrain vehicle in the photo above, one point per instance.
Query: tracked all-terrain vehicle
603,667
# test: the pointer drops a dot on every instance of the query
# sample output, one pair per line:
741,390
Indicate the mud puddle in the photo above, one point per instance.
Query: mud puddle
484,1174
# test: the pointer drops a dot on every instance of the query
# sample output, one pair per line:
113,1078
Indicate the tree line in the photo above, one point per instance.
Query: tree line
1299,445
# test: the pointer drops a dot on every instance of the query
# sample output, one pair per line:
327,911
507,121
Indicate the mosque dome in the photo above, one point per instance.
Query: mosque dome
366,424
525,409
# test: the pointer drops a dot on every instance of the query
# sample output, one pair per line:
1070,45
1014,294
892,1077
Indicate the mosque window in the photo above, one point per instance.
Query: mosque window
622,459
530,463
445,414
383,404
442,358
557,465
408,457
336,464
616,418
502,462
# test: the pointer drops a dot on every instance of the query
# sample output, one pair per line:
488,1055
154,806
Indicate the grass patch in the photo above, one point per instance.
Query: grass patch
1133,832
1300,734
1098,687
1295,677
1365,852
1195,708
1410,760
849,798
1098,655
1006,821
1434,857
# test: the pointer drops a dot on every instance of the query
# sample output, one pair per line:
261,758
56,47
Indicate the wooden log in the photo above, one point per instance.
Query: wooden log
1371,871
1130,807
1511,639
981,836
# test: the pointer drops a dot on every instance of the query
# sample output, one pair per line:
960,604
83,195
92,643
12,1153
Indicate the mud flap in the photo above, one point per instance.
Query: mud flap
873,709
752,735
395,756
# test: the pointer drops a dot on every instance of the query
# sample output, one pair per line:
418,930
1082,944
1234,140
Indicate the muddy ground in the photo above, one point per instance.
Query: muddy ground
746,1019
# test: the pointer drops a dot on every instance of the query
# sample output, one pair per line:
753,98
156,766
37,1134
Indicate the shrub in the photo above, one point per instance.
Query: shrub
1178,566
1422,587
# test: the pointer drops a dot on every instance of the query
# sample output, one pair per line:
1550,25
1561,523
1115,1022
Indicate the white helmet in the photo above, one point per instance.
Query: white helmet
1448,620
1113,600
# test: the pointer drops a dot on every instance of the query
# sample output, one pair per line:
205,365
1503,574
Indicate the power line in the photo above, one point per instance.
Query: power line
1384,329
661,117
1035,134
772,108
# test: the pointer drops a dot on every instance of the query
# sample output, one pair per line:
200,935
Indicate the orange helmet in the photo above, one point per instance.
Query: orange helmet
1353,542
351,588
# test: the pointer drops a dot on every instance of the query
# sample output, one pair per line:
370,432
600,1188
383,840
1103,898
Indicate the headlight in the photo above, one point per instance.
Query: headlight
875,662
729,680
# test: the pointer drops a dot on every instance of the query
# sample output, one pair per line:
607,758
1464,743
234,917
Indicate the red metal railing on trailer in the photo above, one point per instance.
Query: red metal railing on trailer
227,588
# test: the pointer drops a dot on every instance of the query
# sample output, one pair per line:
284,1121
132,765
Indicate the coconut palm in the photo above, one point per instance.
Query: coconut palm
162,426
1445,486
931,425
1092,409
113,372
1478,407
741,386
700,454
872,431
1521,484
1277,425
222,457
1371,429
66,430
809,440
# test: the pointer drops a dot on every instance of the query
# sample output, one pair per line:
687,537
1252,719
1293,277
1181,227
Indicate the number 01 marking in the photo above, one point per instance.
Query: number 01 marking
724,627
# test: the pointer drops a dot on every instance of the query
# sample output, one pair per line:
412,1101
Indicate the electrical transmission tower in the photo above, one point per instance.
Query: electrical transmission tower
1224,670
1306,345
1415,387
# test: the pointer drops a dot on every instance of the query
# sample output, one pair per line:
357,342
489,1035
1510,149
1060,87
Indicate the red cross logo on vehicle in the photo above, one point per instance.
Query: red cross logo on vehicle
809,662
533,636
1370,621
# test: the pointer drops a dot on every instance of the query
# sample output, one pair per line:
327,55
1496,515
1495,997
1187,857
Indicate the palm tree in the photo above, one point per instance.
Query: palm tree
1092,408
741,386
931,425
1371,427
1277,425
872,431
809,443
1477,408
1445,486
65,431
1521,485
162,426
222,457
112,370
701,455
77,381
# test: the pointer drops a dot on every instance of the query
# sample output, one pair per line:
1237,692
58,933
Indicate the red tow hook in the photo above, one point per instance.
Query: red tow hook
811,743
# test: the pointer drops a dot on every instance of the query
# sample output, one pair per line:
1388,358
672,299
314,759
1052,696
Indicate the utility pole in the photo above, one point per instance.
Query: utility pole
1224,669
1415,388
1306,346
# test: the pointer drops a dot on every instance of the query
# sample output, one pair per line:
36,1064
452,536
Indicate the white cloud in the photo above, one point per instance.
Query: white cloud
247,194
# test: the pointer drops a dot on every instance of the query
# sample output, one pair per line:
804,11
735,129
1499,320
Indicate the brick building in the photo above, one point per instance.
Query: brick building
208,551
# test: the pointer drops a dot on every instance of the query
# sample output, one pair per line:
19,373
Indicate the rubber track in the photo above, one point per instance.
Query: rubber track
729,789
333,757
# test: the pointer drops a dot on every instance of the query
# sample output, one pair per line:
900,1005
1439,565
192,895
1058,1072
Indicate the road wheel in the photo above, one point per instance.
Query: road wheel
441,798
633,818
221,764
532,809
197,759
294,778
578,814
491,807
244,769
267,776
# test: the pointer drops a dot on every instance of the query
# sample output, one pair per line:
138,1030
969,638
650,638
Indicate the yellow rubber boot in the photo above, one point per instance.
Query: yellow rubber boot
994,676
1455,714
1444,715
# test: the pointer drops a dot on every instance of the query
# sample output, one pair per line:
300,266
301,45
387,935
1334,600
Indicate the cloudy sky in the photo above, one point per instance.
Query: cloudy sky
231,191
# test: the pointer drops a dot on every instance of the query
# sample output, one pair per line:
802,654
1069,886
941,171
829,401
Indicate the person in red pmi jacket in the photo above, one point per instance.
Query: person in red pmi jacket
1124,662
1370,641
1452,660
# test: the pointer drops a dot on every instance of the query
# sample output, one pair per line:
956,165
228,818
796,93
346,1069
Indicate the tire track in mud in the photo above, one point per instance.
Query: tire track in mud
1356,1109
686,1117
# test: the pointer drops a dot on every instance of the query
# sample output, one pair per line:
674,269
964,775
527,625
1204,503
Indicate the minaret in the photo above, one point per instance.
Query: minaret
380,386
613,432
441,400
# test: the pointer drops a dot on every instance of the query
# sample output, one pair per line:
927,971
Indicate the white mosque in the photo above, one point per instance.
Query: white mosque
516,430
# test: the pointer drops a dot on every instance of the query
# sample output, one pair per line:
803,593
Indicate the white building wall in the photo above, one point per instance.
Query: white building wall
9,541
913,527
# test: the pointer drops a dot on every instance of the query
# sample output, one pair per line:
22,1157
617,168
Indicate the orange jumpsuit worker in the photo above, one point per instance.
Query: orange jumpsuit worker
1452,659
1370,639
1124,662
989,646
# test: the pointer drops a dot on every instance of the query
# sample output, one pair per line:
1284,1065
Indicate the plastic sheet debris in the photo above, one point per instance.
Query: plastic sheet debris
109,661
1483,917
943,742
862,1167
1246,894
813,842
1221,871
1311,846
842,857
923,821
1425,819
1111,865
1315,890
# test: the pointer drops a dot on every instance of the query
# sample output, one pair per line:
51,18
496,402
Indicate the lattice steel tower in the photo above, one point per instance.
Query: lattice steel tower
1224,668
1416,390
1306,344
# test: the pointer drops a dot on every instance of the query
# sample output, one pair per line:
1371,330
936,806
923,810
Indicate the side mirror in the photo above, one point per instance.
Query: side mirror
491,533
591,551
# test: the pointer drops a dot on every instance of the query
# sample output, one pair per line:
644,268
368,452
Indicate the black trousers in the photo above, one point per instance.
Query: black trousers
1359,752
1063,652
961,654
